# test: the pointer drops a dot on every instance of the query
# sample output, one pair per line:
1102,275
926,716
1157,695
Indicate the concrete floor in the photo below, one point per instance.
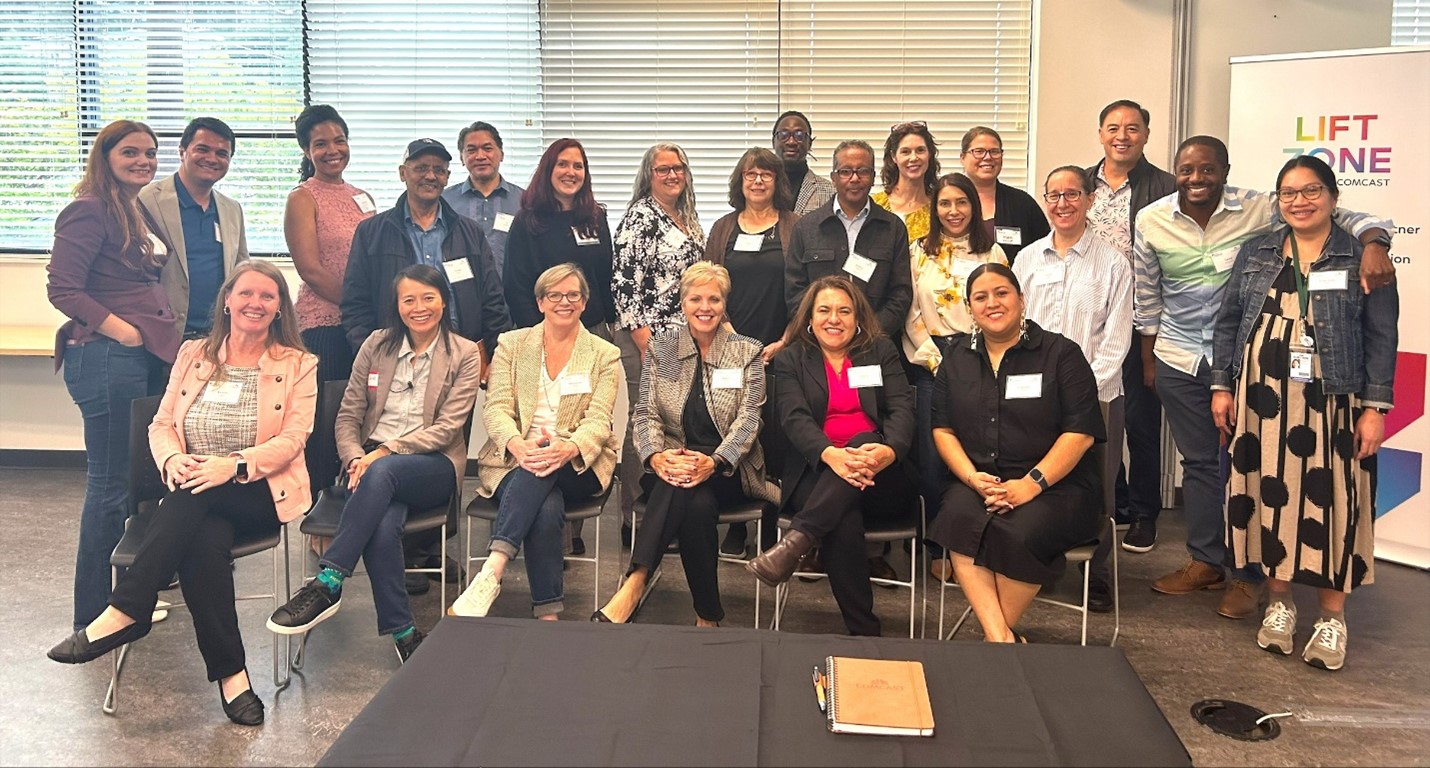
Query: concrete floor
169,715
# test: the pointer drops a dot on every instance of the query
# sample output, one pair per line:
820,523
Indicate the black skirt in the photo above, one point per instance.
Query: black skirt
1024,544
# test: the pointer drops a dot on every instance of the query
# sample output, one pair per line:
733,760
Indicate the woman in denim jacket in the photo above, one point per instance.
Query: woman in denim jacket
1303,368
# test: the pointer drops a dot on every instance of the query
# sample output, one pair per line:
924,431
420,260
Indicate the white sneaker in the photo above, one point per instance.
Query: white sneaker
1278,628
477,599
161,611
1327,648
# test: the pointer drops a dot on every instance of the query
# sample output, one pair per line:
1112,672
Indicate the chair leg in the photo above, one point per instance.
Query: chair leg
442,576
1116,589
1086,582
759,532
281,658
596,578
111,694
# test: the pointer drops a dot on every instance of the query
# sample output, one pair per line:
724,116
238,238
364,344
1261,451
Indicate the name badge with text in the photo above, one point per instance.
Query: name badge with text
749,243
223,393
158,245
457,270
1224,258
1025,386
861,376
582,239
1008,235
728,378
1051,274
218,236
364,203
674,238
372,378
859,266
576,384
1330,280
503,222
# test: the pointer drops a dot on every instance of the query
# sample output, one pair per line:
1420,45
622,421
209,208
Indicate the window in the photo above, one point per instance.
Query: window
1410,22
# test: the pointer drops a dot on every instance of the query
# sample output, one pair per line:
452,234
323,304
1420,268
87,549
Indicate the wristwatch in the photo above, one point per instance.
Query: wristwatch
241,470
1382,239
1036,475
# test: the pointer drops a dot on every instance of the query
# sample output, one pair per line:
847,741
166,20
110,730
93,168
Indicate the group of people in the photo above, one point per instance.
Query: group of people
829,351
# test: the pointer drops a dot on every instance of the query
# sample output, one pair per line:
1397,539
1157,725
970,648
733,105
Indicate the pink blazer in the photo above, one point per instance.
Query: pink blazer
287,400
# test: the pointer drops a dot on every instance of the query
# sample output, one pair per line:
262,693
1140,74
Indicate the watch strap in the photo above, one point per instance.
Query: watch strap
1036,475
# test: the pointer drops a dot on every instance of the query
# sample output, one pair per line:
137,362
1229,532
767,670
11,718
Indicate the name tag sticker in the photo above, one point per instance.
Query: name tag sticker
503,222
961,269
1329,280
372,378
1008,235
859,266
218,236
457,270
1025,386
674,238
749,243
861,376
1051,274
364,202
582,239
1223,259
158,245
575,384
223,393
728,378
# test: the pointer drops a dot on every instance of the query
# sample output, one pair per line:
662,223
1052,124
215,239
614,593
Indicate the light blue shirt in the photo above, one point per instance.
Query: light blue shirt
427,245
854,225
467,201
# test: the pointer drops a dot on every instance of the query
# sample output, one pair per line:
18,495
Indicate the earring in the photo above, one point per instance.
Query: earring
858,330
810,328
225,310
1023,328
973,342
277,313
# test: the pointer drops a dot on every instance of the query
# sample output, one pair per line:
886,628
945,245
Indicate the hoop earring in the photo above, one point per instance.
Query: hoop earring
809,328
1023,328
277,313
225,310
973,342
858,330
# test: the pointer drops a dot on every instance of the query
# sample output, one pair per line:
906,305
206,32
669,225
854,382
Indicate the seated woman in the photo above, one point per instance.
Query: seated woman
548,417
401,437
848,413
250,377
695,426
1027,491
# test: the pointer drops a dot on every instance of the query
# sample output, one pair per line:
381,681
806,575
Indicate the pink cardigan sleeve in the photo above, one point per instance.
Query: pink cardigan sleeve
299,408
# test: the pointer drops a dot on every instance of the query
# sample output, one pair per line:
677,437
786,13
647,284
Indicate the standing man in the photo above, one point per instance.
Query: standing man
485,196
792,139
1183,249
205,226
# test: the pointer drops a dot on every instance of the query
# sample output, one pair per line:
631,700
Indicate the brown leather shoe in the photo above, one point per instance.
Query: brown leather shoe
879,568
775,565
1242,599
811,565
1189,578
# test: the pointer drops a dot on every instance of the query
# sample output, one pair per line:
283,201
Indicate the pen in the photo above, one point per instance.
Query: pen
819,688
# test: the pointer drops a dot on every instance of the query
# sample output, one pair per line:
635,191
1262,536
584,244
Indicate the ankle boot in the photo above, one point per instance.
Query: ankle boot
775,565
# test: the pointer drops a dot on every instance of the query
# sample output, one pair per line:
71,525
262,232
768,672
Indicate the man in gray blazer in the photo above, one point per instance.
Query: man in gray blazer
204,227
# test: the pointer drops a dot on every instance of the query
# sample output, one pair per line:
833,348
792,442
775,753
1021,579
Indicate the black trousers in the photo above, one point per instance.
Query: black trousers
192,534
688,514
831,511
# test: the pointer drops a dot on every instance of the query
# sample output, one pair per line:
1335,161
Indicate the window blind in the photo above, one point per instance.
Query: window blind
1410,22
398,71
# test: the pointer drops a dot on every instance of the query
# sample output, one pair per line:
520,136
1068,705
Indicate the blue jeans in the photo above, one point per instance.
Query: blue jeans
531,512
1139,492
373,521
103,377
1188,403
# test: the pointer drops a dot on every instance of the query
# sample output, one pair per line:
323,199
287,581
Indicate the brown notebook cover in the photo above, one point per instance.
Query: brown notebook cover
886,698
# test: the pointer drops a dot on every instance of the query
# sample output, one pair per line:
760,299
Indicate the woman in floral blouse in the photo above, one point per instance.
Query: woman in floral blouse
941,262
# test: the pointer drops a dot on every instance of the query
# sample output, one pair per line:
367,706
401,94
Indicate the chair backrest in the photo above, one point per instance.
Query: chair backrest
144,482
322,448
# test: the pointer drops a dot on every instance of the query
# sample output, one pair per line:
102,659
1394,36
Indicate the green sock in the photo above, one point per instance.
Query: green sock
403,634
332,580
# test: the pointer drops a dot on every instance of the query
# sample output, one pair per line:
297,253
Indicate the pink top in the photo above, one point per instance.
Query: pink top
844,418
338,217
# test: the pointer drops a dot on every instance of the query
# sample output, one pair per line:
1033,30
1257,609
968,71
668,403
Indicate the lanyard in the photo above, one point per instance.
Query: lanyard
1302,293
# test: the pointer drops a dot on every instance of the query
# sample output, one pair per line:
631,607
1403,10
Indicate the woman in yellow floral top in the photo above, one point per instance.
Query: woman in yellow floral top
910,169
941,261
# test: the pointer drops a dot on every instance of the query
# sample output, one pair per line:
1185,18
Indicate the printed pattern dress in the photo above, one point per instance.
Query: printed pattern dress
1298,502
651,253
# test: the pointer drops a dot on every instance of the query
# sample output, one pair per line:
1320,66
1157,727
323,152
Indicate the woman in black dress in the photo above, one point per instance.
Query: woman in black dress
1015,412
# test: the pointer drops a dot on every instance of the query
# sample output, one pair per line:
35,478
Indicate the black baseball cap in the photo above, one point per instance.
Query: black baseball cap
426,147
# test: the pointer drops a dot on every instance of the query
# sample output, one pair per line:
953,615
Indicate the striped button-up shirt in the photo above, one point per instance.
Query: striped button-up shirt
1181,270
1085,296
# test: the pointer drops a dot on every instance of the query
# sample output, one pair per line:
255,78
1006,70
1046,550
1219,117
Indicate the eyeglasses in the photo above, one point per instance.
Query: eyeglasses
796,135
849,173
571,297
423,170
1310,192
669,170
980,152
914,125
764,176
1072,196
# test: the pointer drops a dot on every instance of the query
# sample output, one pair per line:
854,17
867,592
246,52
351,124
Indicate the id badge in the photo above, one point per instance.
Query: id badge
457,270
225,393
749,243
728,378
860,266
862,376
1008,235
575,384
585,239
503,221
1302,366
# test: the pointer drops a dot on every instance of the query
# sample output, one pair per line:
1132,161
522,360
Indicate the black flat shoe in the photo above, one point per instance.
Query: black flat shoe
245,709
77,648
599,617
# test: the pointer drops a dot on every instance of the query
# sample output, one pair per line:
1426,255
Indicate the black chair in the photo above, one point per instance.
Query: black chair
145,488
325,472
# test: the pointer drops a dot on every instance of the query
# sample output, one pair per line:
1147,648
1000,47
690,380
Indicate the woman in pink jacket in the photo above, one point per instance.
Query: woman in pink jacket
228,440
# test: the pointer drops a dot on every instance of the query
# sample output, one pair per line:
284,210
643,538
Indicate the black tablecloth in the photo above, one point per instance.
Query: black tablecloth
522,692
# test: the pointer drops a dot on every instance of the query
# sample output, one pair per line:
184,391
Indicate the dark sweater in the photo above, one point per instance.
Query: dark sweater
530,253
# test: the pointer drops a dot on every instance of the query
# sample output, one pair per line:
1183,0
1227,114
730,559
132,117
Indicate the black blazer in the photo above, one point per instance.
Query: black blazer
801,392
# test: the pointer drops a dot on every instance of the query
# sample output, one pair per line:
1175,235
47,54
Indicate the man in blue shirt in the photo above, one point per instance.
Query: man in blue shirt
204,226
485,196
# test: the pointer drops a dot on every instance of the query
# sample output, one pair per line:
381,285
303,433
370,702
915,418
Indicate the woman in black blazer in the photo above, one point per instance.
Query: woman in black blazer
848,413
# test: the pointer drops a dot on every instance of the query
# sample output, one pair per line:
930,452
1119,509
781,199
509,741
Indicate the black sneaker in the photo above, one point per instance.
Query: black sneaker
1099,595
734,543
416,583
1141,536
408,646
311,605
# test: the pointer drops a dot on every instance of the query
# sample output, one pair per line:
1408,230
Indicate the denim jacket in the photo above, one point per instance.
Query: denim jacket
1356,334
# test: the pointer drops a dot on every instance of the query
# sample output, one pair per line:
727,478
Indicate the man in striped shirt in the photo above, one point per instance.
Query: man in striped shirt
1078,285
1183,249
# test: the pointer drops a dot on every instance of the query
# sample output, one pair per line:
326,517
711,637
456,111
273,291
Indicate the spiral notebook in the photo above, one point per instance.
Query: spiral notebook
873,696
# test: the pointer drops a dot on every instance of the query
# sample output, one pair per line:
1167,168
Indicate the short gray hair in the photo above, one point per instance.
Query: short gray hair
556,274
851,144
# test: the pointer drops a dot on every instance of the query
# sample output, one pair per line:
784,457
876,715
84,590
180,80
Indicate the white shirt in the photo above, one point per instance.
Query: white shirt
543,419
1085,296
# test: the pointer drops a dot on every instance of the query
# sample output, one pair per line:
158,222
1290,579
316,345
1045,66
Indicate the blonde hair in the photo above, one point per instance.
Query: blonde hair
556,274
702,272
283,331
